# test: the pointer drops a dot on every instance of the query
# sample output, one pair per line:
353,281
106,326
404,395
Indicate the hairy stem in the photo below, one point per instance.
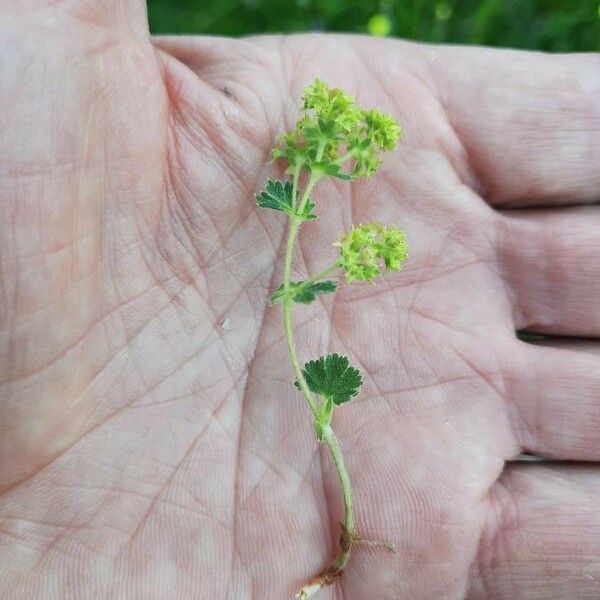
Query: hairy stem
348,533
291,346
287,302
295,178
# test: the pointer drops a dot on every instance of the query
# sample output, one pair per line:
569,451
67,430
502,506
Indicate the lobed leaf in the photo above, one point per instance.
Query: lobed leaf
332,376
307,212
302,292
279,196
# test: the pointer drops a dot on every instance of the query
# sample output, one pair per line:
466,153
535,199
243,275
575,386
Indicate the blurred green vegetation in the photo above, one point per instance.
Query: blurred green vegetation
557,25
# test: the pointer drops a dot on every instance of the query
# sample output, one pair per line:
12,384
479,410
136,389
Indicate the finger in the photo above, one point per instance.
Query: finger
550,260
555,398
542,536
530,122
576,344
112,15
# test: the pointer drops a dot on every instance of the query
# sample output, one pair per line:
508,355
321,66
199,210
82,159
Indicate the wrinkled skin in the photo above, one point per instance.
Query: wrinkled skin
151,443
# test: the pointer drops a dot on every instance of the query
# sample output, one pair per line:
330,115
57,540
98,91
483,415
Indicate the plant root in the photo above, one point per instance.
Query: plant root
336,569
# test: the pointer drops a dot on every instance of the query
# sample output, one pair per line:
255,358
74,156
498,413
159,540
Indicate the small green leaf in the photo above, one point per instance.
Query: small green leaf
319,429
331,169
309,293
343,176
277,196
307,211
332,376
280,293
302,292
323,418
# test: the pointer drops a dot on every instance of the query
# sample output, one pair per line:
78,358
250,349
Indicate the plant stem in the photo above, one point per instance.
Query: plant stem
295,225
287,302
295,178
348,533
321,274
320,150
340,161
291,346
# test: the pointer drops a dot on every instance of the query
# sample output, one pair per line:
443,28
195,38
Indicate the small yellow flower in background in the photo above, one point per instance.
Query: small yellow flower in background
443,10
379,25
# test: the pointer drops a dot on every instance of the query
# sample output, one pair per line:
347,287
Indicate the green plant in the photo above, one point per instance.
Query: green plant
332,138
551,25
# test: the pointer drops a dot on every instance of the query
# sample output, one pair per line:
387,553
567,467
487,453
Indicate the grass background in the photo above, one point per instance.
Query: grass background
556,25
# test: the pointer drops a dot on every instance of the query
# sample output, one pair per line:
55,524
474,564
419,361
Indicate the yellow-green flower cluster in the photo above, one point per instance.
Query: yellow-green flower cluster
365,248
334,132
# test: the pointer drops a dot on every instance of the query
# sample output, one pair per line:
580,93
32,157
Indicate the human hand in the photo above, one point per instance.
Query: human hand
151,444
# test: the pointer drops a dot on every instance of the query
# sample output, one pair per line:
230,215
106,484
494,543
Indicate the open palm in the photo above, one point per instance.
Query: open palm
151,443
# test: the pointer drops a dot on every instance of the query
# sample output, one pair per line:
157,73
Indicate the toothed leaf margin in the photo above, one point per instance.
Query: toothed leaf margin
332,376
